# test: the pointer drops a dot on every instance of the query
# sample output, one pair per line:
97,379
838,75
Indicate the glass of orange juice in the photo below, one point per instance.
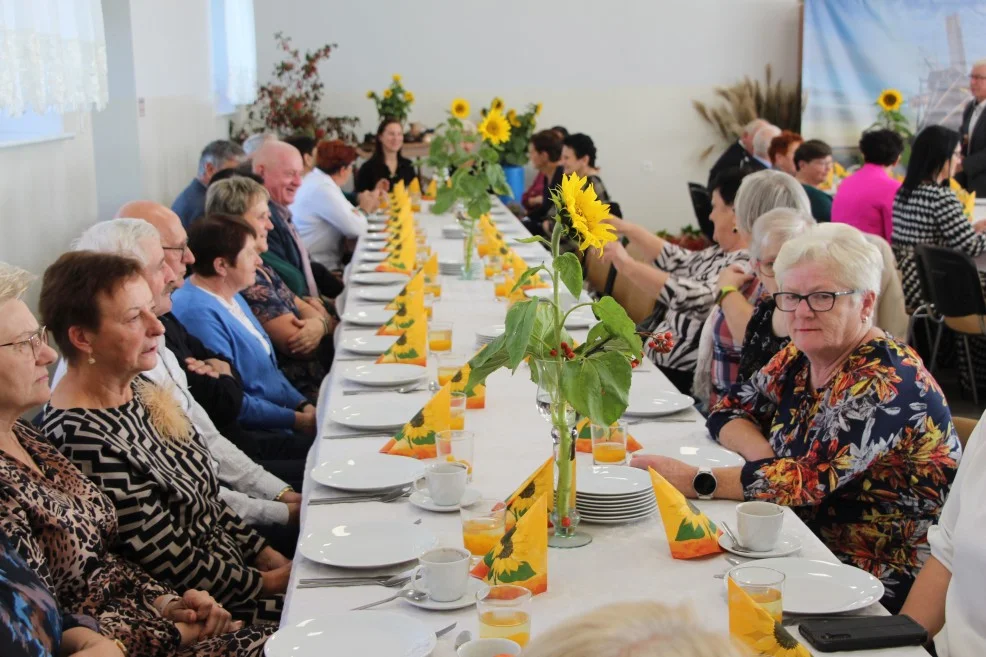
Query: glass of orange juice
429,304
457,446
448,365
609,443
433,285
457,411
764,585
483,247
505,613
502,285
493,266
483,525
440,336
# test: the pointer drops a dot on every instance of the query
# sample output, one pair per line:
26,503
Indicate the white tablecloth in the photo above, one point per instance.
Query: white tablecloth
625,562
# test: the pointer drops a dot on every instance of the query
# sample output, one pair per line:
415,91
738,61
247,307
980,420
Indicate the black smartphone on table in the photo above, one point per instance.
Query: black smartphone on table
862,633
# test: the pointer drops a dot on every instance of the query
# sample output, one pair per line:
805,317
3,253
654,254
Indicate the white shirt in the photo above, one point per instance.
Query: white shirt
324,216
237,312
251,489
958,541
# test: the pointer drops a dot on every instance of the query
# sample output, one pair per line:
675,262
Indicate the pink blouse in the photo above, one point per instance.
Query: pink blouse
866,200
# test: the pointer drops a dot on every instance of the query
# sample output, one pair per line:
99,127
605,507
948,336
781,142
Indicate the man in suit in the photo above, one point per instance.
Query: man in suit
740,153
973,133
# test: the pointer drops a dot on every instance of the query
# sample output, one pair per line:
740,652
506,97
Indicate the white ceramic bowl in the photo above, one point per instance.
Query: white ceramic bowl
488,648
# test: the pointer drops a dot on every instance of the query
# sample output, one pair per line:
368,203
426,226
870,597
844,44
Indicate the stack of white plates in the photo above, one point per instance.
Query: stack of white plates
454,267
613,494
453,232
488,334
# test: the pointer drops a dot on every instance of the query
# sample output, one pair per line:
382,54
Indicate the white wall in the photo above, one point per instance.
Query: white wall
623,71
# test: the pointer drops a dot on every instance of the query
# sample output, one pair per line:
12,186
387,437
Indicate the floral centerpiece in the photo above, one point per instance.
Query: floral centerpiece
591,379
290,103
890,117
522,126
474,160
393,102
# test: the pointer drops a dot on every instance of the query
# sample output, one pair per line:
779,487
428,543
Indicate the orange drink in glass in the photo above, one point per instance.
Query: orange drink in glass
440,336
493,266
483,525
609,443
483,247
448,365
504,613
457,411
456,446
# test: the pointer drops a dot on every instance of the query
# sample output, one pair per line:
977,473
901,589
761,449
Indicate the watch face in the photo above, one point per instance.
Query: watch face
705,483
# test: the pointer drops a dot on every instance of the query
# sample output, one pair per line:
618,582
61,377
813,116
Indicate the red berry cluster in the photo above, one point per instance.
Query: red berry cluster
662,343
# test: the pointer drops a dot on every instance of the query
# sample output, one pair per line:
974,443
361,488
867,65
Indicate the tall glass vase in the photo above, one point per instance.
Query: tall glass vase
468,248
553,407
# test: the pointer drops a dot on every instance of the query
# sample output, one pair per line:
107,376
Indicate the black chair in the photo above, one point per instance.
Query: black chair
956,291
927,312
702,205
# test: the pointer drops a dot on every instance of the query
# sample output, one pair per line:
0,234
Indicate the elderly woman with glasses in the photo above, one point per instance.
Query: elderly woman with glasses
131,437
60,526
845,425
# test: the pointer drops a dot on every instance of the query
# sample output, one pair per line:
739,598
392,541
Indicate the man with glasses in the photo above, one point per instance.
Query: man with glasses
973,133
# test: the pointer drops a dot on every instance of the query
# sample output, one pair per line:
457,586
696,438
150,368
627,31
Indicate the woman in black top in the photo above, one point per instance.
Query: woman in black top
387,163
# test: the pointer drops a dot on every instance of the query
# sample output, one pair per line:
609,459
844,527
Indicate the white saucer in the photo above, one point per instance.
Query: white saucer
469,599
786,545
420,499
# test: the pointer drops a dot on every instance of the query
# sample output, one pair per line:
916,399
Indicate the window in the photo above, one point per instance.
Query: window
30,127
234,54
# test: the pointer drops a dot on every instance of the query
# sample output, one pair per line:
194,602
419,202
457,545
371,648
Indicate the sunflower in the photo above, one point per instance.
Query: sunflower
754,627
387,93
512,118
890,100
537,110
494,128
408,96
586,212
371,94
496,105
418,430
460,108
397,77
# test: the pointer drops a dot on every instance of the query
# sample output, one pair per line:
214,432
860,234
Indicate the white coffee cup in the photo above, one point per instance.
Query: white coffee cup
446,482
758,525
444,574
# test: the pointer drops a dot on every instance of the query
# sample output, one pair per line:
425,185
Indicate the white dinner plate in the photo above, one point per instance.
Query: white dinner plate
710,455
420,499
379,411
510,227
377,228
364,316
375,244
616,521
606,515
373,256
367,544
636,505
473,588
820,587
385,374
491,332
453,231
580,320
367,267
368,472
644,402
379,293
786,544
353,633
368,345
611,480
378,278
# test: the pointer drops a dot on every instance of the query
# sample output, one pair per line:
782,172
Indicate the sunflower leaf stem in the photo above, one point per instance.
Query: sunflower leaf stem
564,463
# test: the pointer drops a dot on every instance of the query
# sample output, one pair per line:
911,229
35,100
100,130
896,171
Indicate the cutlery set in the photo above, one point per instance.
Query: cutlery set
382,496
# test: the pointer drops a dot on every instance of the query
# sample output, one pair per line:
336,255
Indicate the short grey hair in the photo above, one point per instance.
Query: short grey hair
753,126
217,153
976,64
776,227
253,143
119,236
233,195
852,260
765,190
14,282
761,140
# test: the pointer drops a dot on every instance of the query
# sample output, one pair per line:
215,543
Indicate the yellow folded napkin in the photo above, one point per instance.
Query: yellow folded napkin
966,198
540,483
519,267
431,266
432,190
411,348
521,556
414,187
409,311
690,532
417,437
754,627
401,260
583,438
476,395
414,286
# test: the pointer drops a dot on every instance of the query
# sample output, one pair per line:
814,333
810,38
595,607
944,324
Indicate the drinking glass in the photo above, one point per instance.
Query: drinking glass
494,265
448,365
764,585
433,285
457,446
440,336
609,443
505,613
457,411
483,525
429,304
502,285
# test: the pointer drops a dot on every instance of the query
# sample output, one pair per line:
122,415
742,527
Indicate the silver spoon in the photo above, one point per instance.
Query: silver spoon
407,594
403,390
732,537
384,497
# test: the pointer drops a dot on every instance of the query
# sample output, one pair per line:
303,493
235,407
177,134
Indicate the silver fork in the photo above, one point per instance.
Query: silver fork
389,496
339,582
403,390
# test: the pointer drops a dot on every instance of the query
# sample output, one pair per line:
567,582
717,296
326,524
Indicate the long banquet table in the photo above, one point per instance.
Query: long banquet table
624,562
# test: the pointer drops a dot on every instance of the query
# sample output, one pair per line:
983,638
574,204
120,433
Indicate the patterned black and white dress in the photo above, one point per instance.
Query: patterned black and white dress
929,215
685,301
166,493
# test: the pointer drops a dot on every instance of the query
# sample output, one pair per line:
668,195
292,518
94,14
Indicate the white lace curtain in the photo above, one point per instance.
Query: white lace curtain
241,51
52,56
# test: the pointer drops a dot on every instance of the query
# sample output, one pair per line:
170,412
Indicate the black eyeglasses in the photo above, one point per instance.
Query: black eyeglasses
38,338
180,249
818,302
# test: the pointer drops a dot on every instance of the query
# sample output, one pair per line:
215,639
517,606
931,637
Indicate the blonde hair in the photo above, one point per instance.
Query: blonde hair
233,195
14,282
851,259
632,629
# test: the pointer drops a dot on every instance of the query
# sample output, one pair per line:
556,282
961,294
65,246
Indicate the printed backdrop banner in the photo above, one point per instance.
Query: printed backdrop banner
854,49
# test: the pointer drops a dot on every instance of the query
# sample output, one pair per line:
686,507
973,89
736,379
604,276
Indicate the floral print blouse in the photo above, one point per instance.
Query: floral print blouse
865,461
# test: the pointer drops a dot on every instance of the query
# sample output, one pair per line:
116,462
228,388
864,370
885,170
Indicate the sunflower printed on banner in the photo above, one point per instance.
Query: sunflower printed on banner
414,286
521,556
754,627
540,484
583,438
417,437
411,348
690,532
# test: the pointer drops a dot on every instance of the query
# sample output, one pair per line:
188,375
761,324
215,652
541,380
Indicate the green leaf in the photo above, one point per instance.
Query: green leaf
523,573
532,239
570,272
597,386
617,322
519,324
526,276
444,199
488,361
479,206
